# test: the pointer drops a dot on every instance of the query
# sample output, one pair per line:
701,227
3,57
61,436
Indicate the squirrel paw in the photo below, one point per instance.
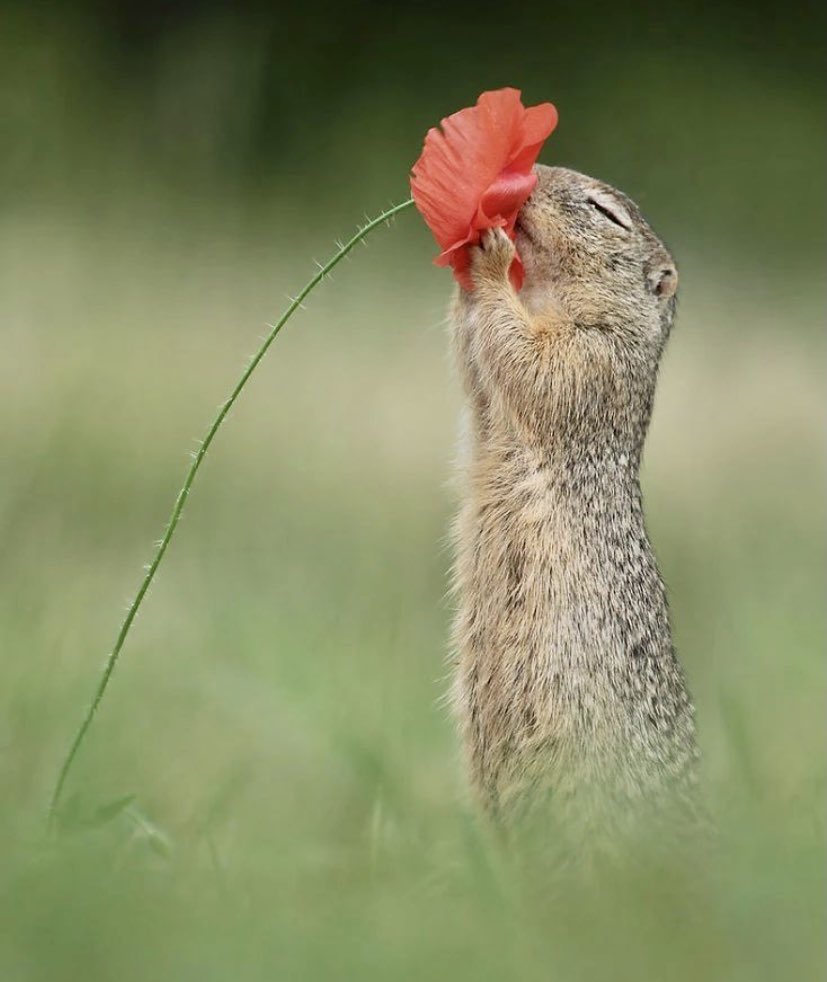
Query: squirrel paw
492,258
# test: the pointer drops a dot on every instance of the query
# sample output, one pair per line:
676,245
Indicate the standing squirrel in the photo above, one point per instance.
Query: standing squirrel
568,691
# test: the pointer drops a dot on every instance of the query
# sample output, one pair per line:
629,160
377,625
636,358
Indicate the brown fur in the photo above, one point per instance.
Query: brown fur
567,687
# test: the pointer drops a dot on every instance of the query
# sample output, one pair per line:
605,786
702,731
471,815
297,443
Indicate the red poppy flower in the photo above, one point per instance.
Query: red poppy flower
476,173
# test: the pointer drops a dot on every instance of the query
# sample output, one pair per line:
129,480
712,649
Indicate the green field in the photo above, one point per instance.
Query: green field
299,810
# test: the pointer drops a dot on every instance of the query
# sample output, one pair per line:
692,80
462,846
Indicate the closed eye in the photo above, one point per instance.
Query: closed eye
608,213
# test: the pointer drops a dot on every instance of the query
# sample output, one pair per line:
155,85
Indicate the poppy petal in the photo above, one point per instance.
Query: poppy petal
476,173
504,198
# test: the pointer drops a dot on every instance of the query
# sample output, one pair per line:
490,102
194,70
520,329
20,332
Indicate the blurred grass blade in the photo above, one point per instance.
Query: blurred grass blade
183,494
111,810
73,816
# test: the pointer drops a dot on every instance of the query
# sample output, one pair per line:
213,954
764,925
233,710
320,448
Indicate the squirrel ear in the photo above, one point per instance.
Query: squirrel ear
664,281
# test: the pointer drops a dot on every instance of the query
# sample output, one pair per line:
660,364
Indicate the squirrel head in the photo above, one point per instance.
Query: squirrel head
588,252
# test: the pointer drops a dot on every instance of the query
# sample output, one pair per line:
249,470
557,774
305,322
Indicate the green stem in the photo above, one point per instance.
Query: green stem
183,494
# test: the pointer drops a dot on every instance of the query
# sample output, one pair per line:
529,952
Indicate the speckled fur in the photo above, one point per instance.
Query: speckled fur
567,687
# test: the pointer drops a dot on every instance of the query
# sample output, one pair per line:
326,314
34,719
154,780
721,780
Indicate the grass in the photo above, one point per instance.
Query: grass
298,809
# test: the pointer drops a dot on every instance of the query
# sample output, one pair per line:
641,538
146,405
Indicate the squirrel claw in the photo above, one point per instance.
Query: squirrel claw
492,258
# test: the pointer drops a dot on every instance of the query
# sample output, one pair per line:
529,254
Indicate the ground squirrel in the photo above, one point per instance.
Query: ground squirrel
567,686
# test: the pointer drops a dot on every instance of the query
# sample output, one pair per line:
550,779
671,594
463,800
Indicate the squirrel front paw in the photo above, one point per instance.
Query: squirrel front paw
492,259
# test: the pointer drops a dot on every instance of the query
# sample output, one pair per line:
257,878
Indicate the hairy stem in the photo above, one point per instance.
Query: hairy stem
183,494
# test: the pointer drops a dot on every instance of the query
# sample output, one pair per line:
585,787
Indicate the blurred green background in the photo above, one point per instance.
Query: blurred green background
168,173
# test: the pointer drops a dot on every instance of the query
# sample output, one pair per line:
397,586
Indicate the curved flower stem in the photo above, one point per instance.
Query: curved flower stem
183,494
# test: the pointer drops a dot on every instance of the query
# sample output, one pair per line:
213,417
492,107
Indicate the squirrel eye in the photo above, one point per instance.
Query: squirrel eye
608,213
